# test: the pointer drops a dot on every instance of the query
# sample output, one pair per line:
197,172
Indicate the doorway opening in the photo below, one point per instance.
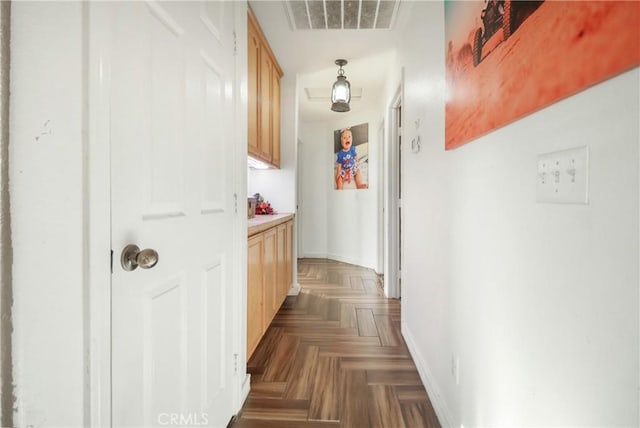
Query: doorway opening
393,200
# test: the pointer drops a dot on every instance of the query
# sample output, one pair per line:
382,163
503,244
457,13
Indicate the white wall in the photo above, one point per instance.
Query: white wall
538,301
352,215
315,160
6,299
340,225
46,185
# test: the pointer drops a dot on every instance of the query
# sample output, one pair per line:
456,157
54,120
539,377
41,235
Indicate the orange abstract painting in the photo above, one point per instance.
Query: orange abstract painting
506,59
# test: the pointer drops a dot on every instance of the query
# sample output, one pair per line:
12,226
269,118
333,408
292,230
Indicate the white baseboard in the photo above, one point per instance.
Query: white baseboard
349,260
343,259
314,256
246,387
295,290
437,400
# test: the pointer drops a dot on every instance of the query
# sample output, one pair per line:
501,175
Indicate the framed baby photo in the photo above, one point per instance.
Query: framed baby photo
351,157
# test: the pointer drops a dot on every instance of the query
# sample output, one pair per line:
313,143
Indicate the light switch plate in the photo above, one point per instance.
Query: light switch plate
563,177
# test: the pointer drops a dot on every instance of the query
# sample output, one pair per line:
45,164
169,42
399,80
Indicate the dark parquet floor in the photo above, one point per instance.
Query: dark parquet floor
334,357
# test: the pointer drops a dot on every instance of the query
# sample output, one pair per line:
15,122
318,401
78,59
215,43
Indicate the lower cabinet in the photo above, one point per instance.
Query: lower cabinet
282,285
270,293
288,258
269,278
255,253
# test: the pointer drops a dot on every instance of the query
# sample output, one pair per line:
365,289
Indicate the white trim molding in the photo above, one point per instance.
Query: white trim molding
433,391
314,256
97,176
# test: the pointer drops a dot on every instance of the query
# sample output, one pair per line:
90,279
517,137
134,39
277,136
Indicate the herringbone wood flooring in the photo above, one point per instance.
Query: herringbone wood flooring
334,357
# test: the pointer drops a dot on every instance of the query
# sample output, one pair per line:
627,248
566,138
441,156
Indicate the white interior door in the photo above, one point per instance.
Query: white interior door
172,118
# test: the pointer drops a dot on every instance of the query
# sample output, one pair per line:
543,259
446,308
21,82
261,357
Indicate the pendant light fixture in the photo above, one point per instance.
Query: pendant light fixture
341,91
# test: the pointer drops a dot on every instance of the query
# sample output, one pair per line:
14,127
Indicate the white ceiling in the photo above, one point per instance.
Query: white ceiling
311,55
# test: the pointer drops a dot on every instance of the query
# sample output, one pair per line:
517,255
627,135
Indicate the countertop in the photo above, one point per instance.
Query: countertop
260,223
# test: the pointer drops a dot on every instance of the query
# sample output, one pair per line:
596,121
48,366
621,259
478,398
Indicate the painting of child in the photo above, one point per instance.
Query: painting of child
351,148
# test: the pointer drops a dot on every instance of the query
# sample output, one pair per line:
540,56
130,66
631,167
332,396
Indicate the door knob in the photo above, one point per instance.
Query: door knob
132,257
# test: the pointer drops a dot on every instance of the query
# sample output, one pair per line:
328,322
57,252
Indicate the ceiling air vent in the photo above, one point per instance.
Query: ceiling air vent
342,14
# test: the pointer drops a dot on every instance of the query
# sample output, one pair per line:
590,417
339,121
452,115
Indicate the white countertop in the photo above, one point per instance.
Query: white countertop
261,223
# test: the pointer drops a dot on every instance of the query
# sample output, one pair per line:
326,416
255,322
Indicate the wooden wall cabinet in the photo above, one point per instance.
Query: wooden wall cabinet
264,76
269,278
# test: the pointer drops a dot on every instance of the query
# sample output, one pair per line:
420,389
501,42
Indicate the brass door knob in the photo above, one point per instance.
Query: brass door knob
132,257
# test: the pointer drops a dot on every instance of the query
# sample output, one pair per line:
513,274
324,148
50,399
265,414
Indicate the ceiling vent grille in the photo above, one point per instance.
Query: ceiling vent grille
342,14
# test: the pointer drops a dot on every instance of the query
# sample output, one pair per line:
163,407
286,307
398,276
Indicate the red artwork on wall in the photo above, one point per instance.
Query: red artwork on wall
506,59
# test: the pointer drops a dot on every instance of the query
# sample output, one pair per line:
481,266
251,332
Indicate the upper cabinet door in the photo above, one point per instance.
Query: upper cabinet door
253,78
275,117
264,144
264,75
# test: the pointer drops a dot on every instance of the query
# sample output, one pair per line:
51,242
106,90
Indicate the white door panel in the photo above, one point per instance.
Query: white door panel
172,81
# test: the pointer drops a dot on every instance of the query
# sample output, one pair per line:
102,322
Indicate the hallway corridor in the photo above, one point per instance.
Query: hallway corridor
334,357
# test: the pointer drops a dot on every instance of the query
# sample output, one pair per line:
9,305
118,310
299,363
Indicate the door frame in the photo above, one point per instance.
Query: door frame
299,201
98,254
239,275
380,265
97,175
393,166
